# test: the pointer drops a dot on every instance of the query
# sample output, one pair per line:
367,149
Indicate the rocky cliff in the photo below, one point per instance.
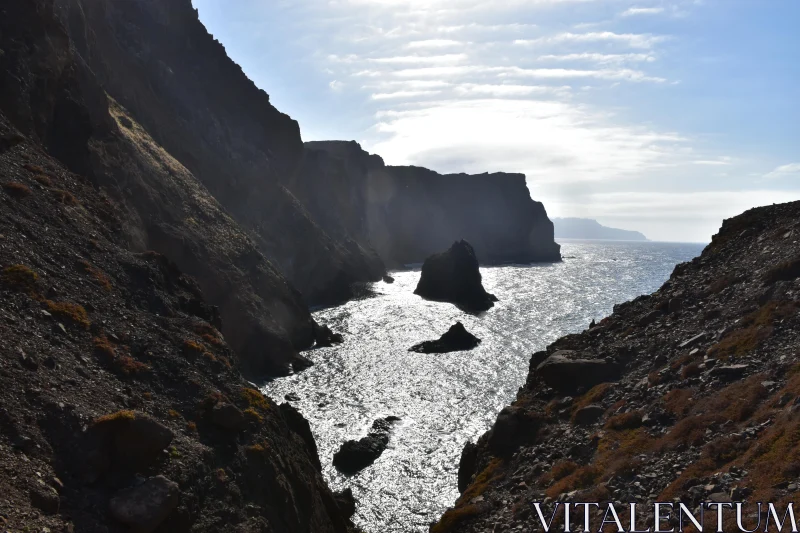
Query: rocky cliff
690,393
122,406
411,212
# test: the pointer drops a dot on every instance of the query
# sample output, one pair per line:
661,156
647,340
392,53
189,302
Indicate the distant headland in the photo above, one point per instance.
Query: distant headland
587,228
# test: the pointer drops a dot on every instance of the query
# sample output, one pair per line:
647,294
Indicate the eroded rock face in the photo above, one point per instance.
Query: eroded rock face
356,455
454,276
456,339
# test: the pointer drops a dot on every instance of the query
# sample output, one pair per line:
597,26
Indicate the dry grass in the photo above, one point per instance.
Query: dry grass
65,197
191,427
70,312
119,416
452,518
253,416
678,402
786,271
16,190
122,364
630,420
754,329
19,277
174,414
255,399
691,370
594,395
96,274
43,180
582,478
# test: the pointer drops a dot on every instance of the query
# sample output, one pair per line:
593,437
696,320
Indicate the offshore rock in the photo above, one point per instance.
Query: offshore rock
457,339
356,455
453,276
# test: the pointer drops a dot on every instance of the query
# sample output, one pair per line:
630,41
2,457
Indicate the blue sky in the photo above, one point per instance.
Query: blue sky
663,116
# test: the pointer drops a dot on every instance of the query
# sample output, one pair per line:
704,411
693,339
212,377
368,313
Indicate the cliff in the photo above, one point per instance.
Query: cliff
412,212
586,228
122,406
686,394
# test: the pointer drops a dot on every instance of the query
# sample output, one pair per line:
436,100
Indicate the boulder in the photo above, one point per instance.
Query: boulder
588,415
388,279
144,507
453,276
512,428
456,339
140,442
569,374
346,502
356,455
228,416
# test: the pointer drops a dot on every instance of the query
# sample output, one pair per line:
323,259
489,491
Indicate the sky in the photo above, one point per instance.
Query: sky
661,116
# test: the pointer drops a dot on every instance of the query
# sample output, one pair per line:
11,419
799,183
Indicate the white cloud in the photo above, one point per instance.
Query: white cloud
446,58
472,89
402,95
434,43
633,11
784,171
600,58
336,85
633,40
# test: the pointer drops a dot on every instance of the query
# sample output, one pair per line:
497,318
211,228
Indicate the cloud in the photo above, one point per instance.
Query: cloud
336,85
402,95
784,171
634,11
446,58
550,141
633,40
473,89
600,58
434,43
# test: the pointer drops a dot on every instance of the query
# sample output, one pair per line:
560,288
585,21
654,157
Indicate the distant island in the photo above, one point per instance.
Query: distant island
587,228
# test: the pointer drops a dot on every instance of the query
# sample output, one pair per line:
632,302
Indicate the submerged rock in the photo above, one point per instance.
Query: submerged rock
326,338
356,455
388,279
454,276
456,339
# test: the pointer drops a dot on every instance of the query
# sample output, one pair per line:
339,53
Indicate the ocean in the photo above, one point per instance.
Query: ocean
445,400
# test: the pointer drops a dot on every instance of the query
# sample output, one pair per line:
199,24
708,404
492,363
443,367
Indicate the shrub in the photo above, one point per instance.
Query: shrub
582,478
104,349
174,414
71,312
562,469
755,328
253,415
454,517
19,277
65,197
129,366
630,420
255,399
786,271
690,371
17,190
33,168
119,416
43,179
191,427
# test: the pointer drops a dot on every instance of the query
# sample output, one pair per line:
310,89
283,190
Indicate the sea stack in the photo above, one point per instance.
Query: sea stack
457,339
453,276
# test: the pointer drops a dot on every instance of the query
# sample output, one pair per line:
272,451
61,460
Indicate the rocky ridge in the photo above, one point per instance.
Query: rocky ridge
696,399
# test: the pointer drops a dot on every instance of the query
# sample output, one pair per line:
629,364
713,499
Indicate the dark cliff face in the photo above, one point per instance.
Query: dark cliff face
413,212
159,62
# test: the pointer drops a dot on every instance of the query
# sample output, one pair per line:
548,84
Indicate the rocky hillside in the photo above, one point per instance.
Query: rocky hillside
411,213
690,393
121,403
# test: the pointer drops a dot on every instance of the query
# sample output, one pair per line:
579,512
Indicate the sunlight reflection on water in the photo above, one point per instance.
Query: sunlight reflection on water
445,400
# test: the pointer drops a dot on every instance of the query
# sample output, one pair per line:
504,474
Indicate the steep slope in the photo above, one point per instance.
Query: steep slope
121,405
688,393
587,228
49,93
158,61
413,212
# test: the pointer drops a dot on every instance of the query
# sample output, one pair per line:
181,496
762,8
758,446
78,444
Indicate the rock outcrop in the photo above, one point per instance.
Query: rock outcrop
687,394
456,339
356,455
412,212
454,276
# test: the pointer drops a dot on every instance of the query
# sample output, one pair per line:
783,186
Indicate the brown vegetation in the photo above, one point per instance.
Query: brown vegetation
16,190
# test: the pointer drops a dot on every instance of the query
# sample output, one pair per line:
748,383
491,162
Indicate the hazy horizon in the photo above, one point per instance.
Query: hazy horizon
658,116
